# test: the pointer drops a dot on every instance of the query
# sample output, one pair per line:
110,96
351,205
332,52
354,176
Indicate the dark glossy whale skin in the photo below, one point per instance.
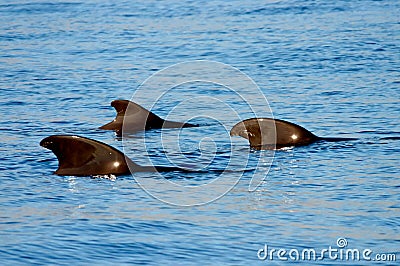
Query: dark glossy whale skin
131,117
269,133
80,156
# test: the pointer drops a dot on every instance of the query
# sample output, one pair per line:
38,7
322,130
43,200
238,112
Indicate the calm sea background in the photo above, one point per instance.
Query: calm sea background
330,66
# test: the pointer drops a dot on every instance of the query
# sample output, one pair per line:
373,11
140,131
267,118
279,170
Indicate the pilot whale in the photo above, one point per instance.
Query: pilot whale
80,156
269,133
131,117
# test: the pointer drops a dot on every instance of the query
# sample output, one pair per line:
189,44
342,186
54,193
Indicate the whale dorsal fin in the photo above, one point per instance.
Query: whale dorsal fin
81,156
268,133
131,117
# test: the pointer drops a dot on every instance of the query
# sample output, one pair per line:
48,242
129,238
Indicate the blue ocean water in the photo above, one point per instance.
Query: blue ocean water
330,66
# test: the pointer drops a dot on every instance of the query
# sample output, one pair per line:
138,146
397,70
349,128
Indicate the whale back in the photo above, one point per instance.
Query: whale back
268,133
79,156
